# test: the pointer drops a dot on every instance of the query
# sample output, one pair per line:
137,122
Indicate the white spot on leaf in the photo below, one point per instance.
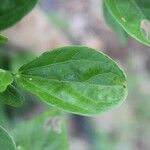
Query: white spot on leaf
145,25
2,71
19,147
30,79
123,19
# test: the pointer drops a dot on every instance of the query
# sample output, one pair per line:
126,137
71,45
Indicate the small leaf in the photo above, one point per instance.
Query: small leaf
3,39
11,11
5,79
6,142
116,27
133,16
11,96
77,79
45,132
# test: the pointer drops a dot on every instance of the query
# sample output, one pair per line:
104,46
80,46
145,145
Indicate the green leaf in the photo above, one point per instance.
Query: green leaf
5,79
133,16
11,96
3,39
45,132
116,27
4,119
6,142
11,11
77,79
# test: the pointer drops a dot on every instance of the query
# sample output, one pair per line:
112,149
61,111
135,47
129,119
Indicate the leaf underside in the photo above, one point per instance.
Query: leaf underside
77,79
116,27
133,16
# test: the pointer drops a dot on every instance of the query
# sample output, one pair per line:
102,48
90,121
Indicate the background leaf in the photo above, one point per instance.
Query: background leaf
11,11
116,27
5,79
3,38
75,78
6,142
4,119
11,96
45,132
133,16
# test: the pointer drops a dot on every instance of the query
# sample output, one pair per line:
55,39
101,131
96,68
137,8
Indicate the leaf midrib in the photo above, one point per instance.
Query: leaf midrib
71,82
64,62
69,61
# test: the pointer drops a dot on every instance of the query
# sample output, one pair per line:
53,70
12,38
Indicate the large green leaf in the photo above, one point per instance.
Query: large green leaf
11,96
5,79
3,38
6,142
75,78
45,132
11,11
133,16
116,27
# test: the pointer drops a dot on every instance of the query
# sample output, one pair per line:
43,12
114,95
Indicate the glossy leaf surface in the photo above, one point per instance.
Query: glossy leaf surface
76,79
11,11
6,142
5,79
45,132
133,16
